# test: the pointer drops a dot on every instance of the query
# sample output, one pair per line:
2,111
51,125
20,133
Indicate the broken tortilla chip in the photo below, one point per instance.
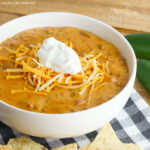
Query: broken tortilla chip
5,147
67,147
24,143
108,140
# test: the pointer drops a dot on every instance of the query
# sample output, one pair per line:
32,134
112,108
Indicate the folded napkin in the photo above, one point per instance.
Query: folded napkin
132,124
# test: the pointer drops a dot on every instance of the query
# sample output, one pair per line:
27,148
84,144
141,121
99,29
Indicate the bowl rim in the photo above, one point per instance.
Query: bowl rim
131,77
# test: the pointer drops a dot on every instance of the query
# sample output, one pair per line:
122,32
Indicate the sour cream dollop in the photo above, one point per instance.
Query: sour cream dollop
59,57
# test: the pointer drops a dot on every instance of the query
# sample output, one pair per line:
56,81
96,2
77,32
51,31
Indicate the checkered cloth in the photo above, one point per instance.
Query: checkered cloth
132,124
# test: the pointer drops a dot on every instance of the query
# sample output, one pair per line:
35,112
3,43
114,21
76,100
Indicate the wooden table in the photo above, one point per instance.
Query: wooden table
127,16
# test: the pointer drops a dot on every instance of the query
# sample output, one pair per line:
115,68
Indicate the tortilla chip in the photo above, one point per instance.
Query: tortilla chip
107,140
67,147
5,147
84,147
24,143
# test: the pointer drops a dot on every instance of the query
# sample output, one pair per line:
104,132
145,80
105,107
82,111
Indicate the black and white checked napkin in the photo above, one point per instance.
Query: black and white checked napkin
132,124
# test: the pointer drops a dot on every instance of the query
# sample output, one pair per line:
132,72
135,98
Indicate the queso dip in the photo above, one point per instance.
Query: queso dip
59,99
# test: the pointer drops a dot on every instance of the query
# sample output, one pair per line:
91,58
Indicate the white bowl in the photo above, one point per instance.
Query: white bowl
69,124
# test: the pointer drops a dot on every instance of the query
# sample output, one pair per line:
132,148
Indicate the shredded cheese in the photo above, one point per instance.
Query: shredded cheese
14,76
107,68
90,95
50,88
30,80
38,85
49,82
100,85
82,91
37,62
86,82
67,79
17,59
14,70
60,78
40,80
40,73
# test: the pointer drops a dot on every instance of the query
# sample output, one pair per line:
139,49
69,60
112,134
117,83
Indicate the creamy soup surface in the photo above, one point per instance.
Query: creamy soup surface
61,100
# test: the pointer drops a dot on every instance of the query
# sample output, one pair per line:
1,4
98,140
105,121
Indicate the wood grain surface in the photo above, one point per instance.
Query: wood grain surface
127,16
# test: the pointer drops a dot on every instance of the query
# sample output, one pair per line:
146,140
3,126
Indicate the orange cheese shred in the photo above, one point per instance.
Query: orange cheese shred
14,76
